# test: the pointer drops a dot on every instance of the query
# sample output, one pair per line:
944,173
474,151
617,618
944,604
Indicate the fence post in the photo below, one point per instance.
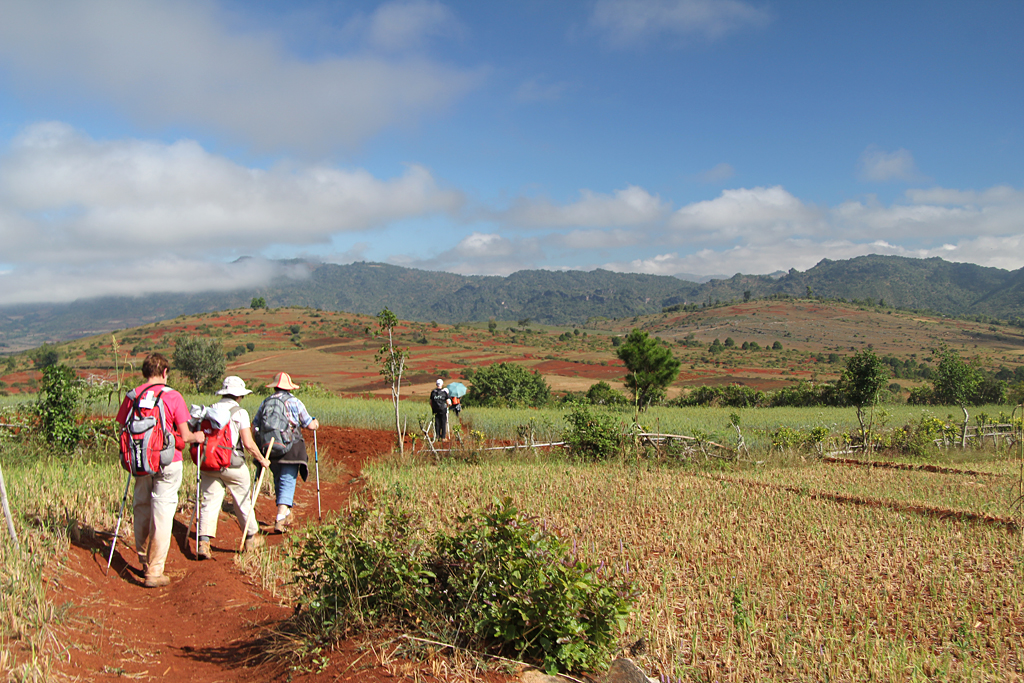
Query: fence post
7,510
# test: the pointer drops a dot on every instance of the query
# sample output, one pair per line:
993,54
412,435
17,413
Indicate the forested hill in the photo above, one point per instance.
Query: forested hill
543,296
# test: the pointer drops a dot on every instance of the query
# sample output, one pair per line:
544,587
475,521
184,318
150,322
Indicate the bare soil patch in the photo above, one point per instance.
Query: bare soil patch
208,624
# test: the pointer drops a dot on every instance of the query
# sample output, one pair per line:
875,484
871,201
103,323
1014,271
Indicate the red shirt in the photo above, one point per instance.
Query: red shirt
174,405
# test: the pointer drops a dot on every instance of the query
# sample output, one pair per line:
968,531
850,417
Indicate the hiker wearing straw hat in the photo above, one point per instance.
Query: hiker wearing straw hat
234,477
279,419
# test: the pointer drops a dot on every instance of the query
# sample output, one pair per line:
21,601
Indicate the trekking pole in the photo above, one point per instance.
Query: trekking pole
199,459
252,498
117,528
316,460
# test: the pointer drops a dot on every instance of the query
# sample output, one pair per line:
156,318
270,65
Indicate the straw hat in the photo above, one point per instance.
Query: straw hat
234,386
283,380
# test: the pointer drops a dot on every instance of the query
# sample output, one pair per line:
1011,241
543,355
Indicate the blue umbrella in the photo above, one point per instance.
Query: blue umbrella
457,389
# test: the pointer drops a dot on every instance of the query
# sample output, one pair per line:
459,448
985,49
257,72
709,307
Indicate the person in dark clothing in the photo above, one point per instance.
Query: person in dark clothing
439,402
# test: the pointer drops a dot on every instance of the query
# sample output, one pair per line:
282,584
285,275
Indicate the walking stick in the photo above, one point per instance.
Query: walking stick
316,460
117,529
199,459
252,498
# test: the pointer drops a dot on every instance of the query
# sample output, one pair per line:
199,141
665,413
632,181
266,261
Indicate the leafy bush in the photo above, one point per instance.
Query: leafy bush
507,385
591,435
602,394
58,406
497,584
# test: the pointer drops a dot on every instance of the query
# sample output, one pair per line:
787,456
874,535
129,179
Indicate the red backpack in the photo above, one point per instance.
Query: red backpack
147,440
217,451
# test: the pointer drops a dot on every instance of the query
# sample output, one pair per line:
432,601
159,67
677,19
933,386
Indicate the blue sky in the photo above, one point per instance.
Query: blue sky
144,146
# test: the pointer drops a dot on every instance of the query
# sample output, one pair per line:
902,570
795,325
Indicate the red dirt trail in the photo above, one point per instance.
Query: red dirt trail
207,624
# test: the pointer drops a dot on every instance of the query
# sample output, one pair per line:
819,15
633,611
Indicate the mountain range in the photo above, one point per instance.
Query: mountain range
547,297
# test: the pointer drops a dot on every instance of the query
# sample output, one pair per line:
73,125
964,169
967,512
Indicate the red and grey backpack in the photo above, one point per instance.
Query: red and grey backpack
218,452
147,439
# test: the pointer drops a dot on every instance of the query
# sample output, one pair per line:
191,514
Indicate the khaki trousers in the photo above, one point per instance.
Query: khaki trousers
237,481
153,505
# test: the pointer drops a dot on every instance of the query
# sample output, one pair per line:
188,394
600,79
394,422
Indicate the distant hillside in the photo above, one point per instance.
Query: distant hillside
554,298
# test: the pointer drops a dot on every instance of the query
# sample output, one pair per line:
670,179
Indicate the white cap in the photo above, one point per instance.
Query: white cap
440,383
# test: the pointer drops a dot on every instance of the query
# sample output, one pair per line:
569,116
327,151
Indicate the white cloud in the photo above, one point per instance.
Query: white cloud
95,197
401,26
933,214
631,206
716,174
480,254
632,22
877,165
174,63
147,274
758,214
596,239
1001,194
69,201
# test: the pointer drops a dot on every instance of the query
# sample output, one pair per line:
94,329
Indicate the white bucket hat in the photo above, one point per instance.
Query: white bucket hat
233,386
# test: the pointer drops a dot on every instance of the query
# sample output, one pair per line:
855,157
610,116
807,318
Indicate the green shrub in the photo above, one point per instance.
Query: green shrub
58,407
497,584
591,435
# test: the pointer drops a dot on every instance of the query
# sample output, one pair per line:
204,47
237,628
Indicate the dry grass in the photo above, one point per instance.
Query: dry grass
760,583
53,499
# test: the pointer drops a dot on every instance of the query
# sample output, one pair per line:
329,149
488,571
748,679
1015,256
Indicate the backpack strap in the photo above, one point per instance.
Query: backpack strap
236,443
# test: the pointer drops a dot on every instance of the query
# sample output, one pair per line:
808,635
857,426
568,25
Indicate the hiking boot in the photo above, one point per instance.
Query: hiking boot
157,581
281,524
204,552
253,542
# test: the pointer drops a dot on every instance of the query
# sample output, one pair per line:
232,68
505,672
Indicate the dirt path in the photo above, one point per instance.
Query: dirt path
204,626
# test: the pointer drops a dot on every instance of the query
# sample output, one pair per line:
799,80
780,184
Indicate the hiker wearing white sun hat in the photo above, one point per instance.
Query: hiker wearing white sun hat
439,402
235,478
280,417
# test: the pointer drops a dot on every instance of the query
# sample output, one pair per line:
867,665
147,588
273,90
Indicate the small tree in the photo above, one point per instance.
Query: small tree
863,378
602,394
955,383
59,400
257,303
45,356
652,367
508,385
392,361
201,361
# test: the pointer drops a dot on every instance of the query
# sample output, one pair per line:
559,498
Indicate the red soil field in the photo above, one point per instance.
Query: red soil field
209,624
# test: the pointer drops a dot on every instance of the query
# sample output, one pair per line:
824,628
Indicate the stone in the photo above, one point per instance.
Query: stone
625,671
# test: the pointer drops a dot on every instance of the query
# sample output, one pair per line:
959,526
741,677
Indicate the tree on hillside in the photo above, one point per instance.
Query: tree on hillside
201,361
44,357
955,382
392,361
258,302
863,378
509,386
652,367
